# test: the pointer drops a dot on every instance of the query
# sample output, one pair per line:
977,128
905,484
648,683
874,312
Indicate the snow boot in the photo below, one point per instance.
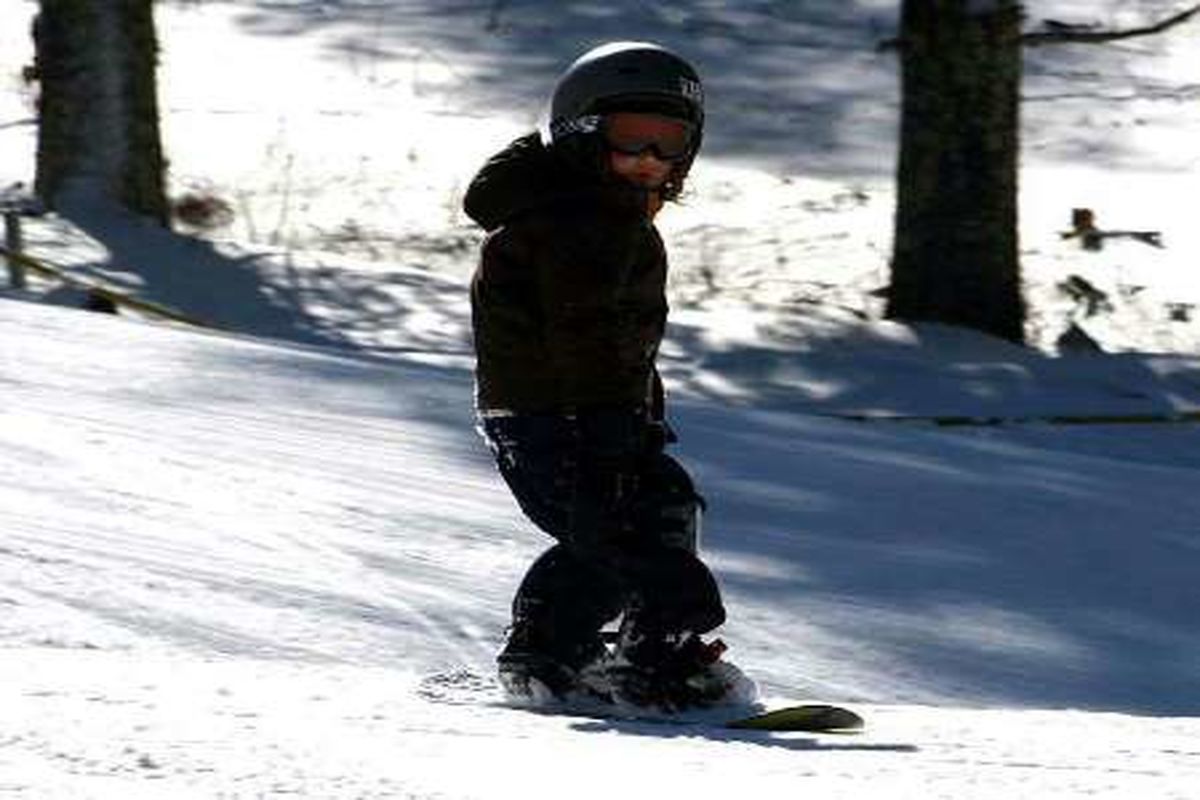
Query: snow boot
674,671
538,668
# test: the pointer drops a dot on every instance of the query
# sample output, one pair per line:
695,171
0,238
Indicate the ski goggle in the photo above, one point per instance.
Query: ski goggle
632,134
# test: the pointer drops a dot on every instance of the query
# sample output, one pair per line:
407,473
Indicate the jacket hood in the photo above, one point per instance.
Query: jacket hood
527,175
517,179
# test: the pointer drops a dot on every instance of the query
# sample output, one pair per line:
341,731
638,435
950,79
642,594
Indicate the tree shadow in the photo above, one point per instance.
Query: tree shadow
1104,98
775,95
920,565
190,275
371,311
821,361
792,88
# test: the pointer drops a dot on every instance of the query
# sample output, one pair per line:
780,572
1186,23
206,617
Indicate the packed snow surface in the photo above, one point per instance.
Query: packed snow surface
234,568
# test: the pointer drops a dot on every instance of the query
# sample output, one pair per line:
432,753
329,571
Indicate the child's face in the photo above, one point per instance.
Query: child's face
644,147
643,170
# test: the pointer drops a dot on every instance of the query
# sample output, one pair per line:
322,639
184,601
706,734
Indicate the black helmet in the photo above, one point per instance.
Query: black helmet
624,76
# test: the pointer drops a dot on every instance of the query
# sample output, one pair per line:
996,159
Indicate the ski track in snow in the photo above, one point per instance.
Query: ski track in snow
98,725
212,519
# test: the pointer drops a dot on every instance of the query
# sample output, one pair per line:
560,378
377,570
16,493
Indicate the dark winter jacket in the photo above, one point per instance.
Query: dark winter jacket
568,301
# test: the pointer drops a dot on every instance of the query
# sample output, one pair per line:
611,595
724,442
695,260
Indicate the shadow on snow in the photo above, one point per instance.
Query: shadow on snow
794,88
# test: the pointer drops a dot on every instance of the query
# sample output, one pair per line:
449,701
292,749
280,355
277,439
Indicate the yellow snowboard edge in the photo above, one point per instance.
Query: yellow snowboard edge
812,718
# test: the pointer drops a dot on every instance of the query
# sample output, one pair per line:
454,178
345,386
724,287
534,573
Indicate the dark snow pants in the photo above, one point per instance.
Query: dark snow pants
624,515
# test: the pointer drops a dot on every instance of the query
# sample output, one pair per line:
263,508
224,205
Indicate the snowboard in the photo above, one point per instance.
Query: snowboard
810,717
463,686
804,717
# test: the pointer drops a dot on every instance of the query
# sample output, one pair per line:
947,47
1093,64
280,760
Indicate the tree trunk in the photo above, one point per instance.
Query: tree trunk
98,135
955,255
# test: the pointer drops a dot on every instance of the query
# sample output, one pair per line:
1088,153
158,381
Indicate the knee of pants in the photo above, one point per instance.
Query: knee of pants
535,457
677,592
569,590
679,525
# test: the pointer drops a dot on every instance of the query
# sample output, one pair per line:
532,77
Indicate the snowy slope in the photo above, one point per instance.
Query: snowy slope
111,726
231,568
274,562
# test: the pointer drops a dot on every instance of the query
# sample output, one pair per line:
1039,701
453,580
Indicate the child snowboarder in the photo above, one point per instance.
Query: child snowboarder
569,310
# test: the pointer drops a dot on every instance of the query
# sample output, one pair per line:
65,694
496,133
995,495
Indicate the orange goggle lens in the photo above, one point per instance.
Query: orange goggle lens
633,134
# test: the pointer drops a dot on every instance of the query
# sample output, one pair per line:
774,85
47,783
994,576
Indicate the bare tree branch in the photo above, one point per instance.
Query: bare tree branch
1071,35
